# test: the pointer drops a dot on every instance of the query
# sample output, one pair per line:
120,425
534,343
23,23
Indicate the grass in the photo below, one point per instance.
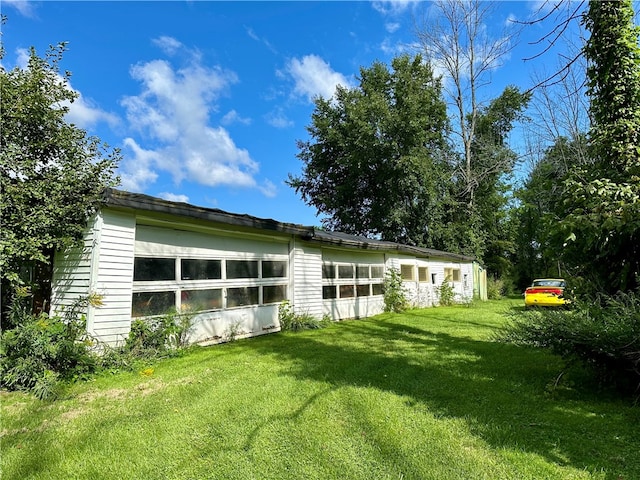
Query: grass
421,395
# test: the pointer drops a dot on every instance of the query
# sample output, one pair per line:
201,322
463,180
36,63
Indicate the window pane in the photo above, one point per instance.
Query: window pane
237,297
152,303
377,271
274,293
423,274
362,271
456,274
201,269
274,269
329,291
197,300
377,288
345,271
363,290
328,271
347,291
406,271
154,269
242,269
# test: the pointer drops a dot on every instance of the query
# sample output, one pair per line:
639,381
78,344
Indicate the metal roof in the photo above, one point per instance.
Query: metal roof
140,202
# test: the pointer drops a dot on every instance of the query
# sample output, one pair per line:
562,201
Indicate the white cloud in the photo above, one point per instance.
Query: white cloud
278,119
268,189
24,7
172,113
85,114
393,7
168,45
314,77
392,27
234,117
173,197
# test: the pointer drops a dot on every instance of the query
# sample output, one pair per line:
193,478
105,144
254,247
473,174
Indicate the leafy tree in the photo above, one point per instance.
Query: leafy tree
375,164
603,198
52,174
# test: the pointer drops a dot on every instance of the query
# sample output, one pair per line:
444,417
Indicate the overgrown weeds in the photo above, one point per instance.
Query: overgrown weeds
290,320
603,333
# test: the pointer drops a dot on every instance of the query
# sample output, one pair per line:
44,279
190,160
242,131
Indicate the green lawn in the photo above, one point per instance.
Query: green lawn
422,395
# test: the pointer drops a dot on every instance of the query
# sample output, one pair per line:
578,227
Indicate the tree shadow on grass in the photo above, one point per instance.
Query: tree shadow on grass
504,393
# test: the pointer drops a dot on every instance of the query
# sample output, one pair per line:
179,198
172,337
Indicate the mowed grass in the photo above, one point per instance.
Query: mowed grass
422,395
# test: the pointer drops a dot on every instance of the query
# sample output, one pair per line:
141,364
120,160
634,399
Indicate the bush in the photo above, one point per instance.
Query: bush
395,297
604,334
159,336
289,320
495,288
41,352
446,294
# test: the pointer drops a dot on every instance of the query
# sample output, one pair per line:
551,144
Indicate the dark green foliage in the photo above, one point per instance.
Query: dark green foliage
52,174
295,322
42,351
604,333
602,199
395,297
376,162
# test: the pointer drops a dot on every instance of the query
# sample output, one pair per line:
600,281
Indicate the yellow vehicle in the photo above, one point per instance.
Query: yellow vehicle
545,292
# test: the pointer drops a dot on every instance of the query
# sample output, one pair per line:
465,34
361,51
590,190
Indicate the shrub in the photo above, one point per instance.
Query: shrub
159,336
446,294
395,296
495,288
603,333
41,352
290,320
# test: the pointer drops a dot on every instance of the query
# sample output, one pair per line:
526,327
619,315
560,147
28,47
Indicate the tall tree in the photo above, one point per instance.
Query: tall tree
52,174
603,198
376,164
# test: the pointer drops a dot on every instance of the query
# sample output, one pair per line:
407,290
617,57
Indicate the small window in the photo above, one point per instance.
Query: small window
328,270
362,271
241,296
201,269
347,291
274,293
452,274
363,290
434,278
199,300
377,289
465,280
274,269
423,274
377,271
242,269
345,271
154,269
406,271
152,303
329,291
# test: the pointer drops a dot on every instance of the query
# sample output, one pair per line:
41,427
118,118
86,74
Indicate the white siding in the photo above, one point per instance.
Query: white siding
307,274
72,271
114,277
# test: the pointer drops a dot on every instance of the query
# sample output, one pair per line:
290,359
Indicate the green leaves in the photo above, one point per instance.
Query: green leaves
52,174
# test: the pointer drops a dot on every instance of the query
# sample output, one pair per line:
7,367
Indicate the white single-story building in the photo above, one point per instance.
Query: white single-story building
144,255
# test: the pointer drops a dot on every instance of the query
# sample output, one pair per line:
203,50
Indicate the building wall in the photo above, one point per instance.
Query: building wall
117,241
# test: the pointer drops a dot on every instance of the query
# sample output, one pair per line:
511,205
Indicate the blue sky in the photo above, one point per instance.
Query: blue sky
207,99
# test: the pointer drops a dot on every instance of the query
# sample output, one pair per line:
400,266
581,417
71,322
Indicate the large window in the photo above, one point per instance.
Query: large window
205,284
423,274
154,269
201,269
242,269
152,303
346,280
